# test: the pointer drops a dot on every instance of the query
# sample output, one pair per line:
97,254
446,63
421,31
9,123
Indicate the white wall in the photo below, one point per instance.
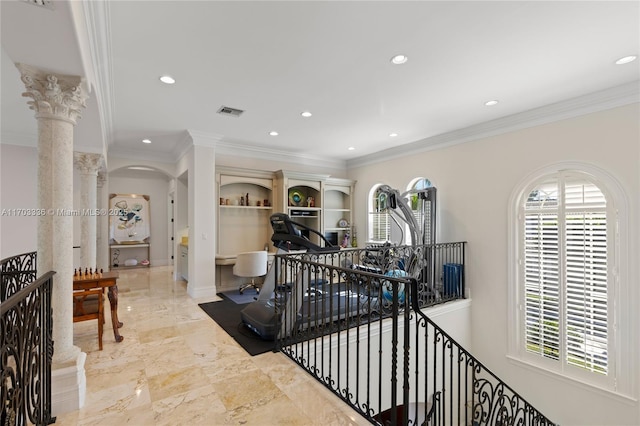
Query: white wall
18,190
157,188
475,181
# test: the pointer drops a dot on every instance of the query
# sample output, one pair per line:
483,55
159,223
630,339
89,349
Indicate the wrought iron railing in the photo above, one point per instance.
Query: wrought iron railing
332,291
355,322
26,345
17,272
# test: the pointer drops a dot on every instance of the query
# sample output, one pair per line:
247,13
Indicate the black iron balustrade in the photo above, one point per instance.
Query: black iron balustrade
353,284
26,345
353,320
459,388
17,272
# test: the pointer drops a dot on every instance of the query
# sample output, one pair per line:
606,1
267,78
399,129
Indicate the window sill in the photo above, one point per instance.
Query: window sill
613,394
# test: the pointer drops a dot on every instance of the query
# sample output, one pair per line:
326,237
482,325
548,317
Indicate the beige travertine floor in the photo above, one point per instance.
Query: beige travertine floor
176,366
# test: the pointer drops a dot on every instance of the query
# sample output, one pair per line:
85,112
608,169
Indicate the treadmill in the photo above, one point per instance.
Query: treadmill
263,315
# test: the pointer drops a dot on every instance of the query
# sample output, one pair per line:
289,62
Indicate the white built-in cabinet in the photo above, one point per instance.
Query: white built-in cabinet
300,196
338,208
243,226
183,261
318,201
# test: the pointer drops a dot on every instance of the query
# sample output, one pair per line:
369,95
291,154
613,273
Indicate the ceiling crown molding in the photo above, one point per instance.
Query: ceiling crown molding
598,101
247,151
203,138
97,21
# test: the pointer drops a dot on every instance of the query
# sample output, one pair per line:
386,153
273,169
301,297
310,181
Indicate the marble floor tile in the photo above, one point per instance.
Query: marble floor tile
176,366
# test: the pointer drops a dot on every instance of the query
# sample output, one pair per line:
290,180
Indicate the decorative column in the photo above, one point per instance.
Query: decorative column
102,251
88,165
57,100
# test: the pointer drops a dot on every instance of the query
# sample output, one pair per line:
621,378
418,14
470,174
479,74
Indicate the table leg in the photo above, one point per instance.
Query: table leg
113,301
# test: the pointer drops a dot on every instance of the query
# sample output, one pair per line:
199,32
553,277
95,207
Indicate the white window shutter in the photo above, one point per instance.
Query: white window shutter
566,274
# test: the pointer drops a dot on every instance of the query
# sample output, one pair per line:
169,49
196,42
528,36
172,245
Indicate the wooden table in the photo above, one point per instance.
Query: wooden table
108,280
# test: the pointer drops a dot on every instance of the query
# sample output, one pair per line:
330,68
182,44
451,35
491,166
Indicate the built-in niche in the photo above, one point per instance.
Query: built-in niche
129,230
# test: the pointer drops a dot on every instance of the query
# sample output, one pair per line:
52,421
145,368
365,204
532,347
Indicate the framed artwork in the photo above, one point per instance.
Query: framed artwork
129,218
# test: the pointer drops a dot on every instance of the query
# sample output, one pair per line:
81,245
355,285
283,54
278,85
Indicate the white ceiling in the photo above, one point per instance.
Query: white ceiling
277,59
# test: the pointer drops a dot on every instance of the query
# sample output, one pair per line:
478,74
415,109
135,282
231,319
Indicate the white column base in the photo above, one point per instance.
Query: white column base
68,386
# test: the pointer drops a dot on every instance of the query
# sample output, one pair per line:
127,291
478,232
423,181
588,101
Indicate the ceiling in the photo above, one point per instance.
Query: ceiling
275,60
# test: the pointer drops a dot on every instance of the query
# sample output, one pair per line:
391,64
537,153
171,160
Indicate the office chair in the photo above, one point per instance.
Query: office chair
250,264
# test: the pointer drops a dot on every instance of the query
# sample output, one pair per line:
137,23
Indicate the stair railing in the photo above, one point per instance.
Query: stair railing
459,389
360,330
26,345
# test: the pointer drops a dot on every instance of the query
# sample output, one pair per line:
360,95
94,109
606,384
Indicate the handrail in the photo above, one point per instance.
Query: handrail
22,294
356,324
26,344
17,271
494,402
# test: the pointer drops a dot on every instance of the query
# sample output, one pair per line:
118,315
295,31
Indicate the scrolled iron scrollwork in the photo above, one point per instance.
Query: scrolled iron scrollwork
16,272
362,277
26,348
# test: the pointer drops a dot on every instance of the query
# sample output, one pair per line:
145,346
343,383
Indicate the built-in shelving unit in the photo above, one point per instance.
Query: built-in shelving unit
338,210
243,226
317,201
299,195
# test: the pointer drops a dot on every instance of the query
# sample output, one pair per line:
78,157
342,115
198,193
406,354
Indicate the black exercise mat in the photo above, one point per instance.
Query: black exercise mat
248,296
227,314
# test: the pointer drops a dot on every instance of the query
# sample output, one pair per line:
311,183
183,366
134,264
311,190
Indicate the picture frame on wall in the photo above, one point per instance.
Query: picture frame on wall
129,218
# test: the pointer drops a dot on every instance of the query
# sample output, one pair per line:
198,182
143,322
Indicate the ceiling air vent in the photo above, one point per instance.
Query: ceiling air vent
48,4
231,112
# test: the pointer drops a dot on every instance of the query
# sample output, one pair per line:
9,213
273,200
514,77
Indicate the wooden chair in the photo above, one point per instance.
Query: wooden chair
89,305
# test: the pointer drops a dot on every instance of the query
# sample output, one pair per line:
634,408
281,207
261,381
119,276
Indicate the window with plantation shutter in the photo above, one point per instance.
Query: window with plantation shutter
379,221
564,274
586,276
421,211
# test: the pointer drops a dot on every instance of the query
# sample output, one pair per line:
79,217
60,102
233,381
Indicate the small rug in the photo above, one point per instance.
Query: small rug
248,296
226,314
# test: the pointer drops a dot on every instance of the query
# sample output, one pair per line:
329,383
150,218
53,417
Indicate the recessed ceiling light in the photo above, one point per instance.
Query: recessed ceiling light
273,133
146,140
393,135
306,114
626,60
399,59
351,148
167,79
491,103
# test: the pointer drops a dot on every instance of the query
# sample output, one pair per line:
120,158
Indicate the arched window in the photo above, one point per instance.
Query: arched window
564,262
379,226
421,211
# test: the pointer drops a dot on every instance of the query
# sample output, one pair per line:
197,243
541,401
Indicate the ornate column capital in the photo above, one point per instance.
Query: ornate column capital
87,163
54,96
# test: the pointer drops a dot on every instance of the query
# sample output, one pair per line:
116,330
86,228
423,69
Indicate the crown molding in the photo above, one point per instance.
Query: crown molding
204,139
142,155
182,146
97,20
594,102
236,149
